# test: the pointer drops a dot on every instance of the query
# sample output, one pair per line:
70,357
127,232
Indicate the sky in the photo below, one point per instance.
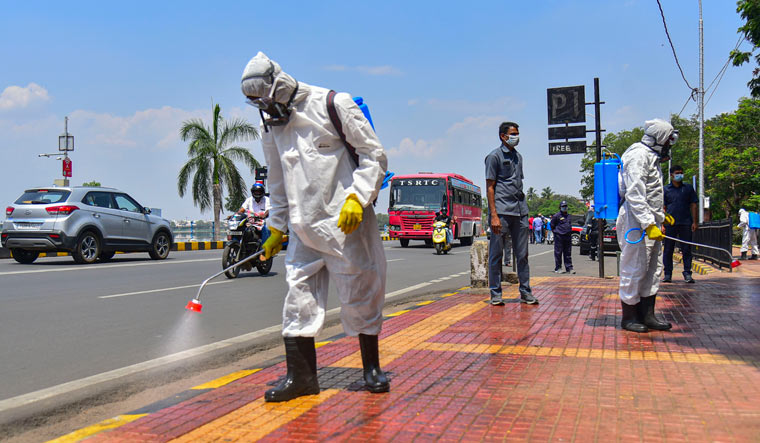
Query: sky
438,78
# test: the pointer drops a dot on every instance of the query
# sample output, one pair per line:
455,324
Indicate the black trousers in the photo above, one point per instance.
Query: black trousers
682,232
562,245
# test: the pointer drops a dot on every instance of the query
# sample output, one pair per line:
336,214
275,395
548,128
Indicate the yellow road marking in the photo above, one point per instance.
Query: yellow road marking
110,423
414,335
256,419
423,303
396,314
605,354
464,288
319,344
229,378
450,294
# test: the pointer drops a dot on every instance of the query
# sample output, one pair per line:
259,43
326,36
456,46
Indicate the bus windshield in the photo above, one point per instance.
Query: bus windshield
418,195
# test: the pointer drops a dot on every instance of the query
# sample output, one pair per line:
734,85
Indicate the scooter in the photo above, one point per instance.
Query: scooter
439,238
245,239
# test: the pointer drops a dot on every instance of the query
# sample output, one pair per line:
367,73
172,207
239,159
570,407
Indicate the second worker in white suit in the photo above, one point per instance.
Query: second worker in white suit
640,185
324,199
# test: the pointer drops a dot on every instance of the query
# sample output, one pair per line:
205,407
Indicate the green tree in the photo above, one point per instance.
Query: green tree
732,164
546,193
234,201
750,12
212,161
94,184
531,193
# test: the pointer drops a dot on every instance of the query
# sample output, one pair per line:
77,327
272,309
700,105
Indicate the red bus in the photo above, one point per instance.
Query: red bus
416,198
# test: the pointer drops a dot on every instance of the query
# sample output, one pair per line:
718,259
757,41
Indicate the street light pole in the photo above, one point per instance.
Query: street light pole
701,95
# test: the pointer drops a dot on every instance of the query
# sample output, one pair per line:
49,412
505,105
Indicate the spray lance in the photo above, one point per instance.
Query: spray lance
734,262
195,304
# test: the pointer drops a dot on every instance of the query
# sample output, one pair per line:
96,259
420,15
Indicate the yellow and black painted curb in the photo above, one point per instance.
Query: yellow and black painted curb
386,237
699,268
176,246
120,420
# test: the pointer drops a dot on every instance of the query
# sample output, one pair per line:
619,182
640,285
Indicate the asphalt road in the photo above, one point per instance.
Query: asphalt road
61,322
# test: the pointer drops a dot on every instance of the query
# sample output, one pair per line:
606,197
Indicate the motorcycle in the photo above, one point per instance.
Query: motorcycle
439,238
245,238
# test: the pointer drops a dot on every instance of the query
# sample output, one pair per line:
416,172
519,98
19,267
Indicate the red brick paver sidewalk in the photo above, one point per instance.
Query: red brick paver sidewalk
464,370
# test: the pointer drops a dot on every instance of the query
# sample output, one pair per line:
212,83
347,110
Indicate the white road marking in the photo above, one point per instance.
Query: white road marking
163,289
103,267
540,253
395,259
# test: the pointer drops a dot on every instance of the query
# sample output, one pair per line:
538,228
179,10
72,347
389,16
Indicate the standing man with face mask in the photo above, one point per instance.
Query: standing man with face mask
640,185
324,198
680,204
562,228
507,213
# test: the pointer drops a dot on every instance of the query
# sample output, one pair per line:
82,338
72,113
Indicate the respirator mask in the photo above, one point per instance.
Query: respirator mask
277,114
665,151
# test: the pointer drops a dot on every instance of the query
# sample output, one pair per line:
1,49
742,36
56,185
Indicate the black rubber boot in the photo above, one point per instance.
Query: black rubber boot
374,377
630,320
744,256
301,380
646,314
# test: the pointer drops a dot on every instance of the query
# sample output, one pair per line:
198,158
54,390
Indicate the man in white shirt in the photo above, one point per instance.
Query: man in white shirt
257,203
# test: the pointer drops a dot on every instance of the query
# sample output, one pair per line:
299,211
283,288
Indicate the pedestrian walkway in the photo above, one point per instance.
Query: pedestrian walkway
463,370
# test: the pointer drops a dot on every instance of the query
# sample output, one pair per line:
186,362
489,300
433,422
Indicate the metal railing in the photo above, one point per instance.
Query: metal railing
718,233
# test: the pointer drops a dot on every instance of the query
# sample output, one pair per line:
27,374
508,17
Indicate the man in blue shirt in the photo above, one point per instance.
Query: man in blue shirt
507,213
681,203
562,228
538,224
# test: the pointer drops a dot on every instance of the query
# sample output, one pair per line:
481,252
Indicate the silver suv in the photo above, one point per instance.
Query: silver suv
90,223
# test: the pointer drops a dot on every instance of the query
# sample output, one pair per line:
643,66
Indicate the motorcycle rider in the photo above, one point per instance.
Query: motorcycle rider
640,184
324,199
257,205
443,217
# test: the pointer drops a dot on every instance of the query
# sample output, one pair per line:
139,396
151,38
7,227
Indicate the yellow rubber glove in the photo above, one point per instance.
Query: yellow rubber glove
654,233
273,245
669,220
350,215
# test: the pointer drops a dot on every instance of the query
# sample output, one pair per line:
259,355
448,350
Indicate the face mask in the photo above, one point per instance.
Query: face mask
563,209
278,113
513,140
678,177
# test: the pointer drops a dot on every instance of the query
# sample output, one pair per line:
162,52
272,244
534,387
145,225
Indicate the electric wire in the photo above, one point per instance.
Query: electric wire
722,72
667,34
690,97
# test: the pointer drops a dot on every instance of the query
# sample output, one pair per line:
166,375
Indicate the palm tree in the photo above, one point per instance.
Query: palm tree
212,160
532,193
547,193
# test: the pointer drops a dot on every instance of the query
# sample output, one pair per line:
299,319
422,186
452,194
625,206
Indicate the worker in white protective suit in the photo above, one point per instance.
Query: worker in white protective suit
640,185
749,236
324,198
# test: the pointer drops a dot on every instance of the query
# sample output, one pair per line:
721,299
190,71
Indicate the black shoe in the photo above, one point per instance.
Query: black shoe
495,302
667,278
753,257
630,321
646,315
744,256
301,356
687,277
528,299
374,377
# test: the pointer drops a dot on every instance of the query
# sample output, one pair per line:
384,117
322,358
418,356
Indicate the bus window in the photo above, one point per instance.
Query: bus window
417,195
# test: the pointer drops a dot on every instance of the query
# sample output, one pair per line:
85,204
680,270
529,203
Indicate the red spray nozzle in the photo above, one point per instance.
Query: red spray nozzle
735,263
194,305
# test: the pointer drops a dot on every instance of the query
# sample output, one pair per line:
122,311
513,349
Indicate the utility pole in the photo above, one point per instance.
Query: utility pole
701,95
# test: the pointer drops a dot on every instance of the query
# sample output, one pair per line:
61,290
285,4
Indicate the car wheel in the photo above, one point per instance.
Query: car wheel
404,242
465,241
106,255
229,258
160,247
87,248
24,257
575,238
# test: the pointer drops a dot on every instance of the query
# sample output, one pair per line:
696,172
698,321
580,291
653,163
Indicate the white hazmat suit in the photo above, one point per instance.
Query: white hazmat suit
749,236
640,184
310,175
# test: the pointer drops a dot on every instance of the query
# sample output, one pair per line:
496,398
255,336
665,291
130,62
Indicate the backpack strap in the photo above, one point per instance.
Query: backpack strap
333,113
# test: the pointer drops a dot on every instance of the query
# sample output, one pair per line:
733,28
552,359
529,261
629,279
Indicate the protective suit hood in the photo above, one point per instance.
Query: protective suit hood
261,73
656,133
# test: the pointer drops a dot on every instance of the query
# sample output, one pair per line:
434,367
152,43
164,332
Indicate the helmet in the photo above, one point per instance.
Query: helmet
257,190
563,205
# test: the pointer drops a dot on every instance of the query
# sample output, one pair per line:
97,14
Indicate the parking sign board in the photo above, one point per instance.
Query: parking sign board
566,105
